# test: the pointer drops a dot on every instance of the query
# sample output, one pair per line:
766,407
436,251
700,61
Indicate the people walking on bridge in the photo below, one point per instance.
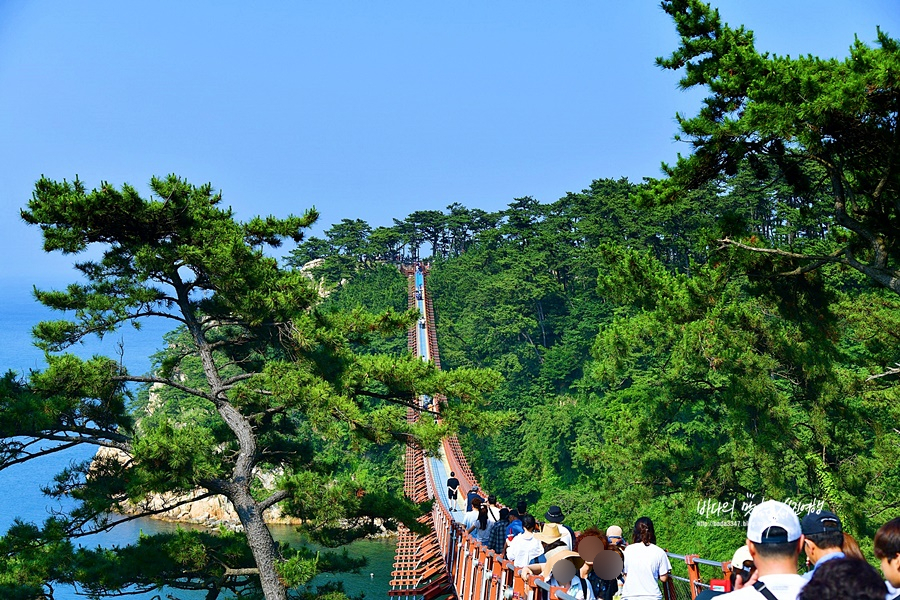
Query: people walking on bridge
473,493
497,534
887,550
823,539
645,564
453,491
471,516
493,507
563,568
525,547
555,515
482,524
774,539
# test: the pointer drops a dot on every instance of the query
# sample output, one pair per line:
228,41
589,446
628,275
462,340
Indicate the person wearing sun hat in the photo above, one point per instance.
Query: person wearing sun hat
614,536
562,569
774,539
555,514
550,534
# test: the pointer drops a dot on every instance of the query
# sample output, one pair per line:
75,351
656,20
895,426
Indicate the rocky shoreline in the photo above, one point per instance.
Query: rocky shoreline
212,512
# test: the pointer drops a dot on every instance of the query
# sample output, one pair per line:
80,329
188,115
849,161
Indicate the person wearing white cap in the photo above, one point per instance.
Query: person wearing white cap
614,536
774,539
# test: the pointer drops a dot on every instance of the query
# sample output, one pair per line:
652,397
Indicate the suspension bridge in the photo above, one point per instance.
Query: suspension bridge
447,562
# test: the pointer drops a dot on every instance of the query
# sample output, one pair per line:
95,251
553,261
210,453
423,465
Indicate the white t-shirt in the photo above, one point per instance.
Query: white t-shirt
566,536
783,586
469,518
482,534
644,565
523,549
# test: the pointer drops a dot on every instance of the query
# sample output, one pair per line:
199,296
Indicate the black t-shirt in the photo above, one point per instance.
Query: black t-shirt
453,484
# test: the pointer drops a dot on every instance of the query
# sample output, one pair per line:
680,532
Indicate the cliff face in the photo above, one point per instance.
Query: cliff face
212,511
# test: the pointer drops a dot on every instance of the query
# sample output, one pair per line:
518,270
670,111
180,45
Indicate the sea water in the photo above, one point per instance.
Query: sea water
20,485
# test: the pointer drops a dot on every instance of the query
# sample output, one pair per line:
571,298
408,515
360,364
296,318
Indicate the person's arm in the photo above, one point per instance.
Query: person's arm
585,569
533,569
739,581
664,577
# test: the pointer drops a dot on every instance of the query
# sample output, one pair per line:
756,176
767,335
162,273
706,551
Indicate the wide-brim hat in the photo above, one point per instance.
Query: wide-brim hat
549,534
556,555
554,514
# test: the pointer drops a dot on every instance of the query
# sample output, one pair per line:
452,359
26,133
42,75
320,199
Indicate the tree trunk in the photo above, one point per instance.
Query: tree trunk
265,550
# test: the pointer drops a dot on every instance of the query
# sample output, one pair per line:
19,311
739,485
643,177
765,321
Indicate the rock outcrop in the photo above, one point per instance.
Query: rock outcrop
212,511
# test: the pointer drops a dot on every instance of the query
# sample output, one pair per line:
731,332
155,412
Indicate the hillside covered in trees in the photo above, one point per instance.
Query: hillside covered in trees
649,366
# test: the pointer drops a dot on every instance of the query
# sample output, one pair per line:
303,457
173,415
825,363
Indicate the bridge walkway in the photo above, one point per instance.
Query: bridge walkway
449,563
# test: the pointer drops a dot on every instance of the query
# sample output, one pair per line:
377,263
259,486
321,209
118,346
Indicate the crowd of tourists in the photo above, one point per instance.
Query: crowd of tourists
602,565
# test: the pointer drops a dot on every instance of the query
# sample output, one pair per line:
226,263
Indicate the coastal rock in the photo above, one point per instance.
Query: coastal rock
212,511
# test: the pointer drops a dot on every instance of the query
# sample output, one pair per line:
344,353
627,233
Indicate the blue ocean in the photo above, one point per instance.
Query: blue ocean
20,485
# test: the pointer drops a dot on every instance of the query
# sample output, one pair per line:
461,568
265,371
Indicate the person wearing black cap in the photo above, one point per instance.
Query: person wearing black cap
824,539
555,514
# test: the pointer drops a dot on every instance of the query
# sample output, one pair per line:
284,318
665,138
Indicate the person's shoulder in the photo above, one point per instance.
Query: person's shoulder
783,579
746,592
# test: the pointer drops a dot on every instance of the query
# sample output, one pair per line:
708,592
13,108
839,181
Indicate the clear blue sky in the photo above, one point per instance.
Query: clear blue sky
362,109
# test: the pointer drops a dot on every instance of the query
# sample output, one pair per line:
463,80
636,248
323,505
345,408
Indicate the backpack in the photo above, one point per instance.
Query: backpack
604,589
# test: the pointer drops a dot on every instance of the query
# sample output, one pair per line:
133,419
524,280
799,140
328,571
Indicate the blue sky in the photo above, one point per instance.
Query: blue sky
362,109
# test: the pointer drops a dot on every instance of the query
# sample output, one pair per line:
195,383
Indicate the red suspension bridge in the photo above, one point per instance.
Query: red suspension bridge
449,563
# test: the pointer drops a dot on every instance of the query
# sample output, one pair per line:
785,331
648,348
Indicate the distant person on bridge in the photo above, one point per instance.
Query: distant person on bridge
515,525
453,491
555,515
645,564
471,516
774,538
494,508
473,493
824,539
